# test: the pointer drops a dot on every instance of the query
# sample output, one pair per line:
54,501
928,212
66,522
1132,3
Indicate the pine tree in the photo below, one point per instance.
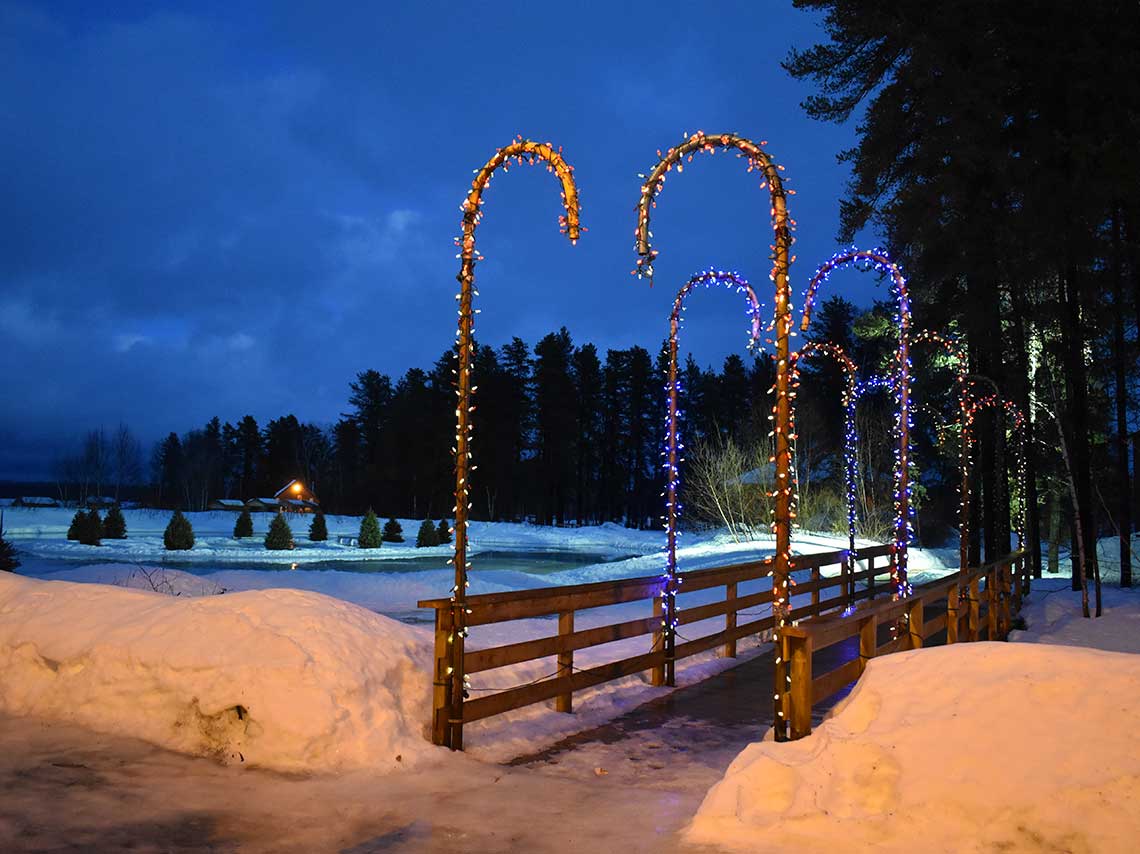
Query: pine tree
443,532
179,533
280,535
91,528
393,533
427,536
243,527
115,525
369,531
8,559
318,531
77,522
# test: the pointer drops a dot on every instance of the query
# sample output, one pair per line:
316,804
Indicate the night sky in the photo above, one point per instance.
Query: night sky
221,211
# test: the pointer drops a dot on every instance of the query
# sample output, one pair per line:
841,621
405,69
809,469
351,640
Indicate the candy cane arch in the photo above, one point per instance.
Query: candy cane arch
965,400
826,348
877,259
1011,410
781,244
521,151
673,445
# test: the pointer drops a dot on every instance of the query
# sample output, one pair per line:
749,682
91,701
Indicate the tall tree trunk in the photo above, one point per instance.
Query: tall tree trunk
1076,417
1024,401
1124,507
1054,533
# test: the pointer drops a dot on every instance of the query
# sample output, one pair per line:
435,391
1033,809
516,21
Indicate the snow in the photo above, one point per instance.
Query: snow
279,679
971,747
1053,615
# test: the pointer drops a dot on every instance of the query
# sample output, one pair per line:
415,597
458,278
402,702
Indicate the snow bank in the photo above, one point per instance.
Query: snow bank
282,679
972,747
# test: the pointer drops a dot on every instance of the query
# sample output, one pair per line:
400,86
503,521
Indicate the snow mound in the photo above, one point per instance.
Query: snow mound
281,679
971,747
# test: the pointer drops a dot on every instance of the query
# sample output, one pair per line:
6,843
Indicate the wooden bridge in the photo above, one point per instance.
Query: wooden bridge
841,595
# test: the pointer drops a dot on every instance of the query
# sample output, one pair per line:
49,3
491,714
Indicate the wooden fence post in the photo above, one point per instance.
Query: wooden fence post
730,620
868,640
1017,590
914,622
992,604
847,569
952,614
797,652
973,618
657,674
1004,592
871,577
441,684
565,702
815,576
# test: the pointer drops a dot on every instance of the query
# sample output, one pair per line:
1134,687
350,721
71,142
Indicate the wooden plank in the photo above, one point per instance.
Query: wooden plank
914,623
479,660
686,616
441,684
868,639
526,695
692,647
798,653
657,675
934,625
826,685
897,645
483,614
565,702
730,619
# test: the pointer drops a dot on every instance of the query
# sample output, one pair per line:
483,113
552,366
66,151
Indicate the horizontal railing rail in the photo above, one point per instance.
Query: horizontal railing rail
827,592
973,611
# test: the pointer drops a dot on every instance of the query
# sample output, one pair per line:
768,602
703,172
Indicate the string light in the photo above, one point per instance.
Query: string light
521,151
879,261
782,224
674,447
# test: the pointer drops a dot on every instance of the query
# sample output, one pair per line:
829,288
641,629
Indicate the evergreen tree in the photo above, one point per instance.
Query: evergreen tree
443,532
76,526
243,527
318,531
179,533
393,533
8,559
279,537
115,525
91,528
427,536
369,531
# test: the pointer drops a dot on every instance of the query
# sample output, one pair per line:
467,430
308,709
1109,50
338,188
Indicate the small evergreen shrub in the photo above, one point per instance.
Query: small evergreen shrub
393,533
8,559
443,532
427,536
369,531
280,535
318,530
179,533
91,528
115,525
243,527
77,523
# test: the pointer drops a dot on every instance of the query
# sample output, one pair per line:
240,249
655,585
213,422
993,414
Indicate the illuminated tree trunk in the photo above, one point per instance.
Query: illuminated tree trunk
1124,497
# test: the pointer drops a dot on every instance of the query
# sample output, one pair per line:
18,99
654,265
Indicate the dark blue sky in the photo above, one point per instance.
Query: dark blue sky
233,208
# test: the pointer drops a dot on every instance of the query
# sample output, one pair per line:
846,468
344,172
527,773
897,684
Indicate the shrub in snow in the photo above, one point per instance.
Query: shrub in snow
179,534
443,532
8,559
115,525
77,522
318,531
280,535
243,527
393,533
427,536
369,531
91,528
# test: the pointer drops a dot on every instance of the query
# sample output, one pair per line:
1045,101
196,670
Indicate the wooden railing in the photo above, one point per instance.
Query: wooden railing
973,612
565,602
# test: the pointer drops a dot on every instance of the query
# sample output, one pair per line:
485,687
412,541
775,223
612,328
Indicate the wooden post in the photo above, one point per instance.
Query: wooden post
657,674
730,620
441,684
868,640
992,604
565,702
952,614
797,652
1005,591
815,577
972,620
915,624
847,568
1017,588
871,577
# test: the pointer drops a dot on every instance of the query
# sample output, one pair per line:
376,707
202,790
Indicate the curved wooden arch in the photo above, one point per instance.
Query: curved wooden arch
879,260
652,184
837,354
521,151
673,446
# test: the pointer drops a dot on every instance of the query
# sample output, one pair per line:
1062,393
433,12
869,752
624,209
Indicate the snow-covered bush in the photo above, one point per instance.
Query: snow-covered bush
179,534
